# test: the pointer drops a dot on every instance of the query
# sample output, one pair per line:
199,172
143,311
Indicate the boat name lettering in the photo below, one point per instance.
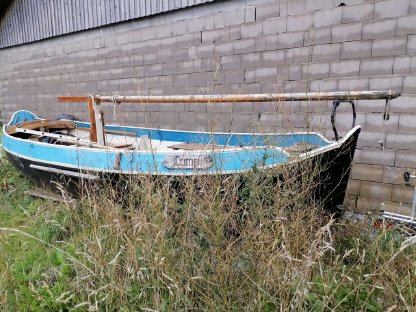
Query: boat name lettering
195,162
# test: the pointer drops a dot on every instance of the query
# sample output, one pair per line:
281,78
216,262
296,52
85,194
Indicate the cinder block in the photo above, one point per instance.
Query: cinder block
267,11
234,76
409,84
216,35
296,86
375,122
326,52
295,6
379,29
225,48
344,68
299,55
283,72
406,25
249,75
353,84
205,51
407,122
187,118
274,26
370,138
375,190
347,32
317,36
163,31
250,14
412,7
357,13
396,207
389,47
154,70
230,62
401,140
325,18
197,24
405,158
314,5
325,85
299,22
272,42
246,88
266,74
386,83
235,17
274,58
251,30
376,66
251,60
353,187
411,44
244,46
261,43
315,71
403,104
168,43
271,119
356,49
402,193
244,107
391,8
402,65
366,204
373,173
290,40
180,54
179,27
235,32
392,175
295,72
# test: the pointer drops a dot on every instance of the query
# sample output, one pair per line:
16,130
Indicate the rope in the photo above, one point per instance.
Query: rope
386,116
115,104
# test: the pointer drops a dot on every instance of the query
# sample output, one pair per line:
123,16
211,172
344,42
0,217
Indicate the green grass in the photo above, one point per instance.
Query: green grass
152,251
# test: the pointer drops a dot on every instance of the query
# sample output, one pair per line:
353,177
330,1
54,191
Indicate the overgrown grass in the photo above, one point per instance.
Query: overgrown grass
208,245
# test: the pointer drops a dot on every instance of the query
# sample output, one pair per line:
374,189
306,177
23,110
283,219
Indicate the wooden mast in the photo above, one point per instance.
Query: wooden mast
97,122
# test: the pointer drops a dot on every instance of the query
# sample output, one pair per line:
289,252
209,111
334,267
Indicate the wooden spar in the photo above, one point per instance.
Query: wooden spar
312,96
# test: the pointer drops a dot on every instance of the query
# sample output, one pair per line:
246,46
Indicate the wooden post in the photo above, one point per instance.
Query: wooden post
98,121
93,130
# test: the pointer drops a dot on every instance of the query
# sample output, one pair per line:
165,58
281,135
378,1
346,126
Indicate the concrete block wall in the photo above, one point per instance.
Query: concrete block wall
250,46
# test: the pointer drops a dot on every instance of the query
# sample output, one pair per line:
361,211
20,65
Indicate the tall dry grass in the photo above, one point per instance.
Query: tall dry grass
238,243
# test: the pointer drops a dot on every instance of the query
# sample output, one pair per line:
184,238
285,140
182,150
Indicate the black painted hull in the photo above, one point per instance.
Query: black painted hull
331,181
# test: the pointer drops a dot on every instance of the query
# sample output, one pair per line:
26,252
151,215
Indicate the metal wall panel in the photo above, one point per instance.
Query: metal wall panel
32,20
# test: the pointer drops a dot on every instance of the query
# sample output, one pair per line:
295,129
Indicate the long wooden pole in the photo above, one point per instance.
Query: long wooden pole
312,96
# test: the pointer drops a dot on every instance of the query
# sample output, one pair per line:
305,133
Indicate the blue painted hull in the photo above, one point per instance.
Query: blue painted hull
246,151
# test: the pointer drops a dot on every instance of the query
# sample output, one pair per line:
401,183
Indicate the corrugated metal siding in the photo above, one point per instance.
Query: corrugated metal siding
32,20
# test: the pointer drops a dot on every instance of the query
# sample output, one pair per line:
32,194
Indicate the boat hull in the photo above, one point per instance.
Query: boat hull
331,180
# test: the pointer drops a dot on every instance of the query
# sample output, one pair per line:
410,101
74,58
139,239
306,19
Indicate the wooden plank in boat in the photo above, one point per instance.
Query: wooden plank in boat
196,146
27,123
128,133
58,124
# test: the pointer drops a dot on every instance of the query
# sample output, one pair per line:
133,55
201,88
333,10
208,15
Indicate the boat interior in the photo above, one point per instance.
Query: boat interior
75,133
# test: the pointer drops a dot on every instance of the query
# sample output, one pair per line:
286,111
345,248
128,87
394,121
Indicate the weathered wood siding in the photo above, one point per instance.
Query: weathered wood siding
31,20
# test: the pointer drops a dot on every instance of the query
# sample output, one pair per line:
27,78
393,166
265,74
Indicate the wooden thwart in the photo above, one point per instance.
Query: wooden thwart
40,124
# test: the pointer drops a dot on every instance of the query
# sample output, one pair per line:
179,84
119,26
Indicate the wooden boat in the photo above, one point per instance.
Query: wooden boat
59,150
